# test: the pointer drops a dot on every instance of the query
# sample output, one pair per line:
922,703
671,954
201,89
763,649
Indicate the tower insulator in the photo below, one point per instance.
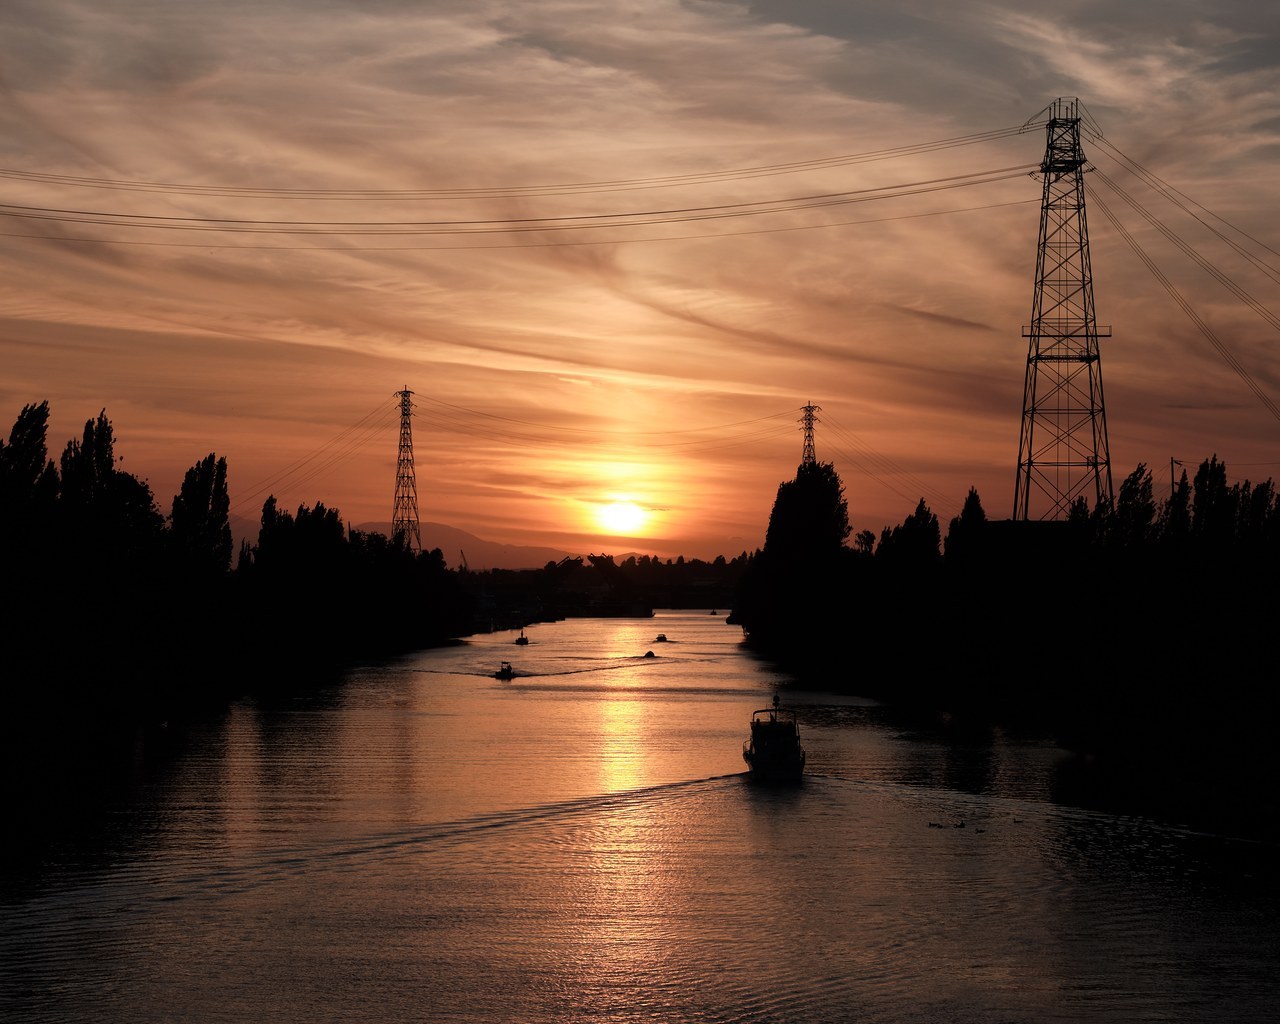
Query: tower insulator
404,516
1063,453
807,457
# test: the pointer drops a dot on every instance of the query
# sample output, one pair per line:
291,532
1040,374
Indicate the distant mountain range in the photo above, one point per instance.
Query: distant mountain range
453,543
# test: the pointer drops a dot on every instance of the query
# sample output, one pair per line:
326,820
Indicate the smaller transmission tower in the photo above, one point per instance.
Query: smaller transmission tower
404,516
808,458
1063,454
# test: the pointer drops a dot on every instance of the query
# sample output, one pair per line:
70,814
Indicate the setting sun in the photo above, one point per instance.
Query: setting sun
621,517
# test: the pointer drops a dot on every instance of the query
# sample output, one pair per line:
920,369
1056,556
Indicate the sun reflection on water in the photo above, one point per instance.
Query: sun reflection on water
622,943
622,727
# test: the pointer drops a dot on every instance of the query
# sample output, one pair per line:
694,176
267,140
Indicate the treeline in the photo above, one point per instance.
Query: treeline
1140,628
112,604
601,586
1171,588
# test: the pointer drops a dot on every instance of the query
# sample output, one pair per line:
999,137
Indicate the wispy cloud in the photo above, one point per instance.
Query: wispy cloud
900,317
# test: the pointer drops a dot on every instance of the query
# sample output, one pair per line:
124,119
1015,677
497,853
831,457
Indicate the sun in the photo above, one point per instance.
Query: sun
621,517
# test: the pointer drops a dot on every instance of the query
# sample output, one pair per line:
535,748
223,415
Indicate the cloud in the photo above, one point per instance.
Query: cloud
898,316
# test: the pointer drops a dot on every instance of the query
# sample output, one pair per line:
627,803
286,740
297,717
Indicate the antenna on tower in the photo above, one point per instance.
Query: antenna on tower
808,458
404,516
1062,448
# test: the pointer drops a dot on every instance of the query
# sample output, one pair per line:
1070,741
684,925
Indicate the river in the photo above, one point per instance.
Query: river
419,841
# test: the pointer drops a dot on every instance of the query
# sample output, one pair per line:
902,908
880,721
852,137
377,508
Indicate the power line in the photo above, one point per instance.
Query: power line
885,470
1210,268
1227,355
542,244
1186,204
324,458
512,191
635,218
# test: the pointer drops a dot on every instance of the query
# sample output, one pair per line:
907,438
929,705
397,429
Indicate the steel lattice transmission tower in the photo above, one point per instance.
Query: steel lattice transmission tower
404,517
808,457
1063,451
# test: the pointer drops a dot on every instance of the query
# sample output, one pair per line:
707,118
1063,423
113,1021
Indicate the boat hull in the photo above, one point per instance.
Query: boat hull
774,753
774,770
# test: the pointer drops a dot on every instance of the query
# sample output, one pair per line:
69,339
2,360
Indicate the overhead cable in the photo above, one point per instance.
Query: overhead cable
568,222
1215,272
337,449
854,450
1185,203
1227,355
538,244
510,191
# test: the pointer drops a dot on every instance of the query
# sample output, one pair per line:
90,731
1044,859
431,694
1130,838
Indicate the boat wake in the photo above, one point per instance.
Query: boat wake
130,893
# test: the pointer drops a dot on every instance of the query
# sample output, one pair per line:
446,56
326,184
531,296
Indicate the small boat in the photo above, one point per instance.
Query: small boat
522,639
773,753
505,671
661,638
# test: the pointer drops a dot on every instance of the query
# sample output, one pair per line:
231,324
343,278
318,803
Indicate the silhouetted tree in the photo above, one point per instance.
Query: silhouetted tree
795,589
28,479
1212,510
28,489
92,579
810,515
1258,513
88,464
1134,518
199,523
964,532
31,552
112,512
917,542
313,594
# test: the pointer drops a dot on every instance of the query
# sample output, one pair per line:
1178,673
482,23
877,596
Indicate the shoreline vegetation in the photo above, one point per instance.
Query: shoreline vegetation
118,608
1137,633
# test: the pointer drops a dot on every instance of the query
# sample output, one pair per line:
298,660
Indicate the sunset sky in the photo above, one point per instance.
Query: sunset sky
614,248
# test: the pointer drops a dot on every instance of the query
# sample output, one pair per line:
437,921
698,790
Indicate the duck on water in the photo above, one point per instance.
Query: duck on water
773,753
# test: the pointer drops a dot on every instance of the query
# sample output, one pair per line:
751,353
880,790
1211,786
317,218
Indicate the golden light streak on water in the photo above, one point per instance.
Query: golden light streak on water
623,752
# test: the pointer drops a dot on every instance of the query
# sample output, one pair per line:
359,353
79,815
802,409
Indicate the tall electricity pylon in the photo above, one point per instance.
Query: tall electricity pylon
404,516
1063,451
808,457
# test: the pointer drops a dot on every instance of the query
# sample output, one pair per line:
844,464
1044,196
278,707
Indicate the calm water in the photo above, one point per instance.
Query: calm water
423,842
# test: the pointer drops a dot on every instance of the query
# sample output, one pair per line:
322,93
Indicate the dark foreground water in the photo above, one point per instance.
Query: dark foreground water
422,842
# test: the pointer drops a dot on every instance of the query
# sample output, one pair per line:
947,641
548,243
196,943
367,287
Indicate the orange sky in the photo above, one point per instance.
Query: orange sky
663,358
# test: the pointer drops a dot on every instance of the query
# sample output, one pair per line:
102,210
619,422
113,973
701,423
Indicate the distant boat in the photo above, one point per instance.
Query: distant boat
505,671
661,638
773,753
522,639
